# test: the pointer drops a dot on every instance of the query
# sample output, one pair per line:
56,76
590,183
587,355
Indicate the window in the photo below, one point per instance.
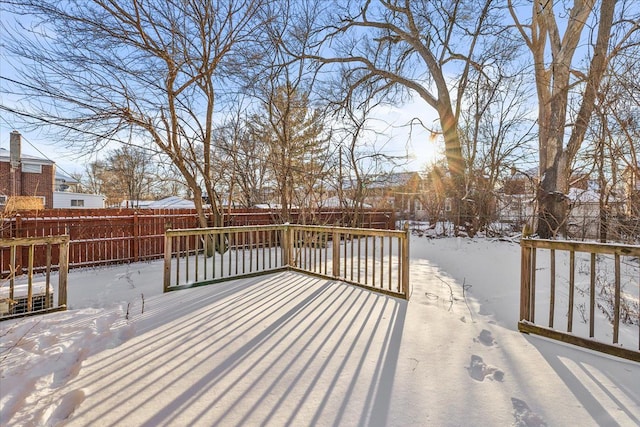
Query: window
77,203
3,200
31,168
447,205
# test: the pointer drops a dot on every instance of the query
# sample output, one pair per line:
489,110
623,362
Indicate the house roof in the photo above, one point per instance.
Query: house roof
65,178
5,157
172,202
583,196
334,202
390,180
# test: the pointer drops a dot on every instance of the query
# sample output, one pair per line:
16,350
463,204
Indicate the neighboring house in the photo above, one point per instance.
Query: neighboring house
171,202
334,202
25,176
69,200
65,183
67,196
401,191
28,178
515,201
584,213
631,178
129,204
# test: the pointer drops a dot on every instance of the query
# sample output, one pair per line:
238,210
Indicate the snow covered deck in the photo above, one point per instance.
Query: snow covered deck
289,349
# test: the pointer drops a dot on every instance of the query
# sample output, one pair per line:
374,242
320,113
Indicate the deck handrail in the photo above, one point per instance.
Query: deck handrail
19,260
371,258
529,291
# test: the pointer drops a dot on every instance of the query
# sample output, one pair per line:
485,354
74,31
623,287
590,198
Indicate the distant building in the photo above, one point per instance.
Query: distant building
25,176
28,182
171,202
400,191
65,183
71,200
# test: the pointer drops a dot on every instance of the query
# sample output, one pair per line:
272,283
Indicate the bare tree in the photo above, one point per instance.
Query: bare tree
287,119
425,48
610,158
125,173
243,155
496,134
155,68
361,159
556,74
293,133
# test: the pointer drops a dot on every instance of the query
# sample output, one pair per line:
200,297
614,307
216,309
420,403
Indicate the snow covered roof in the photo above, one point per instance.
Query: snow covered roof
334,202
5,156
271,206
390,180
172,202
583,196
65,178
135,203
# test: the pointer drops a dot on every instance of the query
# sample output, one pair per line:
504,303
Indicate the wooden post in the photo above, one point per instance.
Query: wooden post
336,254
47,292
616,301
404,261
63,271
286,246
30,278
18,232
167,261
525,281
572,287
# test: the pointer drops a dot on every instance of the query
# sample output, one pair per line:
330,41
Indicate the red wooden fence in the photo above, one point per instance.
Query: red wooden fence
109,236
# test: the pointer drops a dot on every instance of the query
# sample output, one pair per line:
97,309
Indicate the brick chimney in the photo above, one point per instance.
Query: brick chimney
15,146
15,143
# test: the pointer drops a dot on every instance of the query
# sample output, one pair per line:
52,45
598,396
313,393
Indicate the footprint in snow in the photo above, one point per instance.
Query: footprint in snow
480,370
486,338
524,416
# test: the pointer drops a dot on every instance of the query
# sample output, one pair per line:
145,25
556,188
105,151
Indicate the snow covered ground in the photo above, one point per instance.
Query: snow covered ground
288,349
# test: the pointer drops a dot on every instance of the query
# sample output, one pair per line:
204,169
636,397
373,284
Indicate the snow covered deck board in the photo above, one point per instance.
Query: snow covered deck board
290,349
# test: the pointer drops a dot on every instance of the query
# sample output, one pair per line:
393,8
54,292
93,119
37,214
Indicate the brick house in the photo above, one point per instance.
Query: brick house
25,176
401,191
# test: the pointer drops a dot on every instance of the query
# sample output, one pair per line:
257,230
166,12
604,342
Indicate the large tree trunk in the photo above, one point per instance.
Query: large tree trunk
455,162
553,88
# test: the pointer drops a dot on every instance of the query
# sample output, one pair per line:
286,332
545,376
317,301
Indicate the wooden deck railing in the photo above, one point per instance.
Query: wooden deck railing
600,281
374,259
20,295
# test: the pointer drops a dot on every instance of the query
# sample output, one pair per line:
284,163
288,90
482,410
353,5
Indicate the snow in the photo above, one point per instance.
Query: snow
289,349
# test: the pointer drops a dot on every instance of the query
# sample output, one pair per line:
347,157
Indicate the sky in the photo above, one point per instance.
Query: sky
288,348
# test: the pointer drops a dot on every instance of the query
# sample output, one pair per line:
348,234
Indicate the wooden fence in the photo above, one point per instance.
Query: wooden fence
370,258
600,281
109,236
21,296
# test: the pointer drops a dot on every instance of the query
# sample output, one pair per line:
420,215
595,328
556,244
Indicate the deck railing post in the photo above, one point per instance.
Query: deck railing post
63,272
525,281
404,260
335,257
167,261
287,242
